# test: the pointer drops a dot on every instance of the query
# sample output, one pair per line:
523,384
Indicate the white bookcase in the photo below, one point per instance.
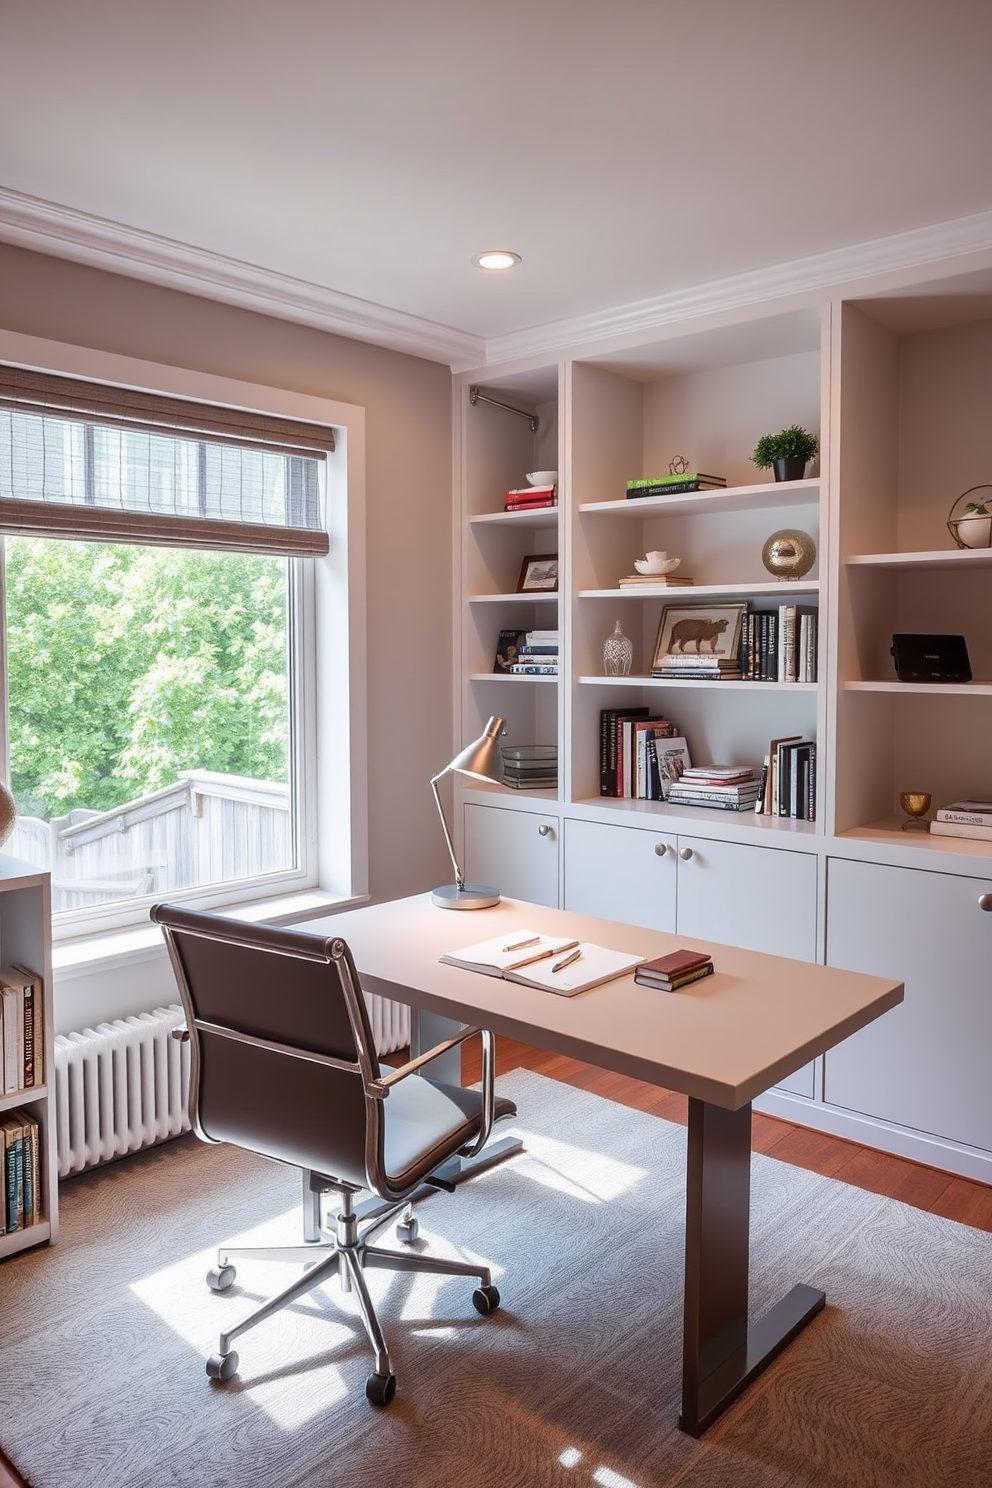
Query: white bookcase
896,380
25,939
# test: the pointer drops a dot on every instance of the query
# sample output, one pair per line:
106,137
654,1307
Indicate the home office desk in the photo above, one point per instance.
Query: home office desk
720,1041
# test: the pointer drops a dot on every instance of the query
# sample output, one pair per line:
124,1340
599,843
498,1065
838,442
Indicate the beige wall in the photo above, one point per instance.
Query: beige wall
408,504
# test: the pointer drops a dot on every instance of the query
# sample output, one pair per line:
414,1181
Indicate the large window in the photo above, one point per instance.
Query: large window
159,624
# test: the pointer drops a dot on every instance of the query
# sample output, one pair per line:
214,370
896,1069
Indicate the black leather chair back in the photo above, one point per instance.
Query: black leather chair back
282,1050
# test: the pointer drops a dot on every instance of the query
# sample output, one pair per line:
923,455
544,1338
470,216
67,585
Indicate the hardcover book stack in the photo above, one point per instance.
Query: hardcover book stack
703,667
964,819
657,581
725,787
677,969
672,485
530,766
638,754
537,655
779,645
21,1039
20,1162
531,498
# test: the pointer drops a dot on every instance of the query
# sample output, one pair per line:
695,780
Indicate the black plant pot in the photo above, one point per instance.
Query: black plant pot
789,469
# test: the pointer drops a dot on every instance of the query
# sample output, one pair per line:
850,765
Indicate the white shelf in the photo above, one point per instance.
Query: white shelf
759,589
514,677
638,681
678,818
764,495
543,516
502,599
937,559
941,689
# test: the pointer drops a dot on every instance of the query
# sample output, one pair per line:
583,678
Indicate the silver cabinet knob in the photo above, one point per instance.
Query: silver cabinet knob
685,853
661,848
985,901
544,830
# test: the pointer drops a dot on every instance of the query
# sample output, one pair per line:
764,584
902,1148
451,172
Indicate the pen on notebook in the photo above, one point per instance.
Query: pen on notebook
518,945
567,961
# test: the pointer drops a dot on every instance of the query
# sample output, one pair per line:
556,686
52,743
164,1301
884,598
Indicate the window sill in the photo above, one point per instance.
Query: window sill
83,955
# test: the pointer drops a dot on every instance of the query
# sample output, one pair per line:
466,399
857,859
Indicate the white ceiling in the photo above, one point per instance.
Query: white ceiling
350,158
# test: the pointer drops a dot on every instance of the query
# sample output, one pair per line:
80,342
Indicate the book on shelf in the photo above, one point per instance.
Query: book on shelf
675,970
973,813
547,963
539,637
19,1136
795,762
630,749
718,775
20,1028
655,581
534,668
713,800
543,648
507,648
770,797
12,1032
978,832
538,503
672,760
671,485
608,719
704,674
532,493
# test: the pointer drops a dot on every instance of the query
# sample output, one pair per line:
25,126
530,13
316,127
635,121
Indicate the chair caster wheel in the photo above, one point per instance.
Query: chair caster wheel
380,1388
222,1366
485,1300
219,1278
408,1229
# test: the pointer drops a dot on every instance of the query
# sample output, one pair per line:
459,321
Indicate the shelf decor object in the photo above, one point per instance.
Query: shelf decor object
480,760
970,522
916,804
618,653
789,554
787,453
8,813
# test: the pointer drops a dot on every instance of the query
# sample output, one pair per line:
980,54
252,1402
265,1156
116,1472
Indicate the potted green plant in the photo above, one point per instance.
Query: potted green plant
973,528
787,452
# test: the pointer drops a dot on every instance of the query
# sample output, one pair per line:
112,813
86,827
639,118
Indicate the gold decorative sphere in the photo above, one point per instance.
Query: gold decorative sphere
789,554
8,813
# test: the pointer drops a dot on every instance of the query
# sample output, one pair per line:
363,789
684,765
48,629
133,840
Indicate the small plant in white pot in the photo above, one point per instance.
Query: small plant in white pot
970,522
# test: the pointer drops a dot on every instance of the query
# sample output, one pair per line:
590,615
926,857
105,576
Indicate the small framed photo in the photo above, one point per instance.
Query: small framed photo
539,574
699,630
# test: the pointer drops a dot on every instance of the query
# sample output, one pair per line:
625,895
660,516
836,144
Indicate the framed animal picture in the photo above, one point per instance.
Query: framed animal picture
699,630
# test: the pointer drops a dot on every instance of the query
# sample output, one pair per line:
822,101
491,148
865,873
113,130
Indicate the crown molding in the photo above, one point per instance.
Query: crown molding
799,277
46,227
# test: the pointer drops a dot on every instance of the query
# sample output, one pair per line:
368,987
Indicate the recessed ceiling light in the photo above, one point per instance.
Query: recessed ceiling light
496,258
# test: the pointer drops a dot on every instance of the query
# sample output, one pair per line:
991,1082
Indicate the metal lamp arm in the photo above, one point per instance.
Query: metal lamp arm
459,875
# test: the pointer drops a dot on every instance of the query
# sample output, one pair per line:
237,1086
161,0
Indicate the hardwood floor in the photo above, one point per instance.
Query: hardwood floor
925,1188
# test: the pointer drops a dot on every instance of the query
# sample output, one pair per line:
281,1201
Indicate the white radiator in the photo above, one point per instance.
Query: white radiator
125,1085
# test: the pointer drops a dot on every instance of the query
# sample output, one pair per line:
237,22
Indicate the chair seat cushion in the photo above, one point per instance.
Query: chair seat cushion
425,1122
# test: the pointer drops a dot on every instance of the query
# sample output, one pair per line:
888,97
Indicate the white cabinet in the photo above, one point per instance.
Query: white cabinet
926,1063
515,850
620,873
25,940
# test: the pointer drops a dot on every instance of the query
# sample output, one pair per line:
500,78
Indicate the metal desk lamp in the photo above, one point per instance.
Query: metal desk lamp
479,761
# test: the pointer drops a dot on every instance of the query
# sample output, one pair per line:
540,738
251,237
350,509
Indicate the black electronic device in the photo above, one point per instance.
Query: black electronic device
931,658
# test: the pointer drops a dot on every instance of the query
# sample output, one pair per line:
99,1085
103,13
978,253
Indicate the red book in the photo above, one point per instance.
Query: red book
676,963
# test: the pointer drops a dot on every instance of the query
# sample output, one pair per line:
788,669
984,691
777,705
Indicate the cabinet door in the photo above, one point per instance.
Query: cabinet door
925,1064
620,873
515,850
761,898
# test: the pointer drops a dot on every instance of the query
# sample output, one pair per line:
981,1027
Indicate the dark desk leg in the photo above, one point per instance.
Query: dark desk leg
721,1354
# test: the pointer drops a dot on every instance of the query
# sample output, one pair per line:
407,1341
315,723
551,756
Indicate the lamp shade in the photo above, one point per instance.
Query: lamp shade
482,759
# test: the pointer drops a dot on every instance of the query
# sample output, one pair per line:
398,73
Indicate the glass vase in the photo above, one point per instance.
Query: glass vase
618,653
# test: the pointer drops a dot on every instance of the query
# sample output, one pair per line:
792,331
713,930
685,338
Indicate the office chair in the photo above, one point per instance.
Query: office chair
283,1064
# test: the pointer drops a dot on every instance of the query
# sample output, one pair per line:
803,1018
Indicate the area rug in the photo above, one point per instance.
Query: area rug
574,1382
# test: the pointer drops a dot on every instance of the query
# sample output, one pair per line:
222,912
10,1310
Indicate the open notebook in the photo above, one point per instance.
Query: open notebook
547,962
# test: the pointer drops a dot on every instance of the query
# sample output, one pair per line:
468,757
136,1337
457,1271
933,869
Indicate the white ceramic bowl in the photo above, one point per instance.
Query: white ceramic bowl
655,566
543,477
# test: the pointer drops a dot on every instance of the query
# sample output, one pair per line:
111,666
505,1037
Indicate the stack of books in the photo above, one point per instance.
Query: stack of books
531,498
788,779
683,664
964,819
537,654
726,787
671,485
658,581
530,766
20,1166
21,1039
677,969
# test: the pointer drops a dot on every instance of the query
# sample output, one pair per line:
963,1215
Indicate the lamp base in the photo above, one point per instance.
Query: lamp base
472,896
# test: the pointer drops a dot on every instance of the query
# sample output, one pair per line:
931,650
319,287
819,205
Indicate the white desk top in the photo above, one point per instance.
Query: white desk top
723,1039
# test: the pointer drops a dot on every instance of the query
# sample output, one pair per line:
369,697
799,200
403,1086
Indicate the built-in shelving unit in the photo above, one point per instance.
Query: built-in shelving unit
25,940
